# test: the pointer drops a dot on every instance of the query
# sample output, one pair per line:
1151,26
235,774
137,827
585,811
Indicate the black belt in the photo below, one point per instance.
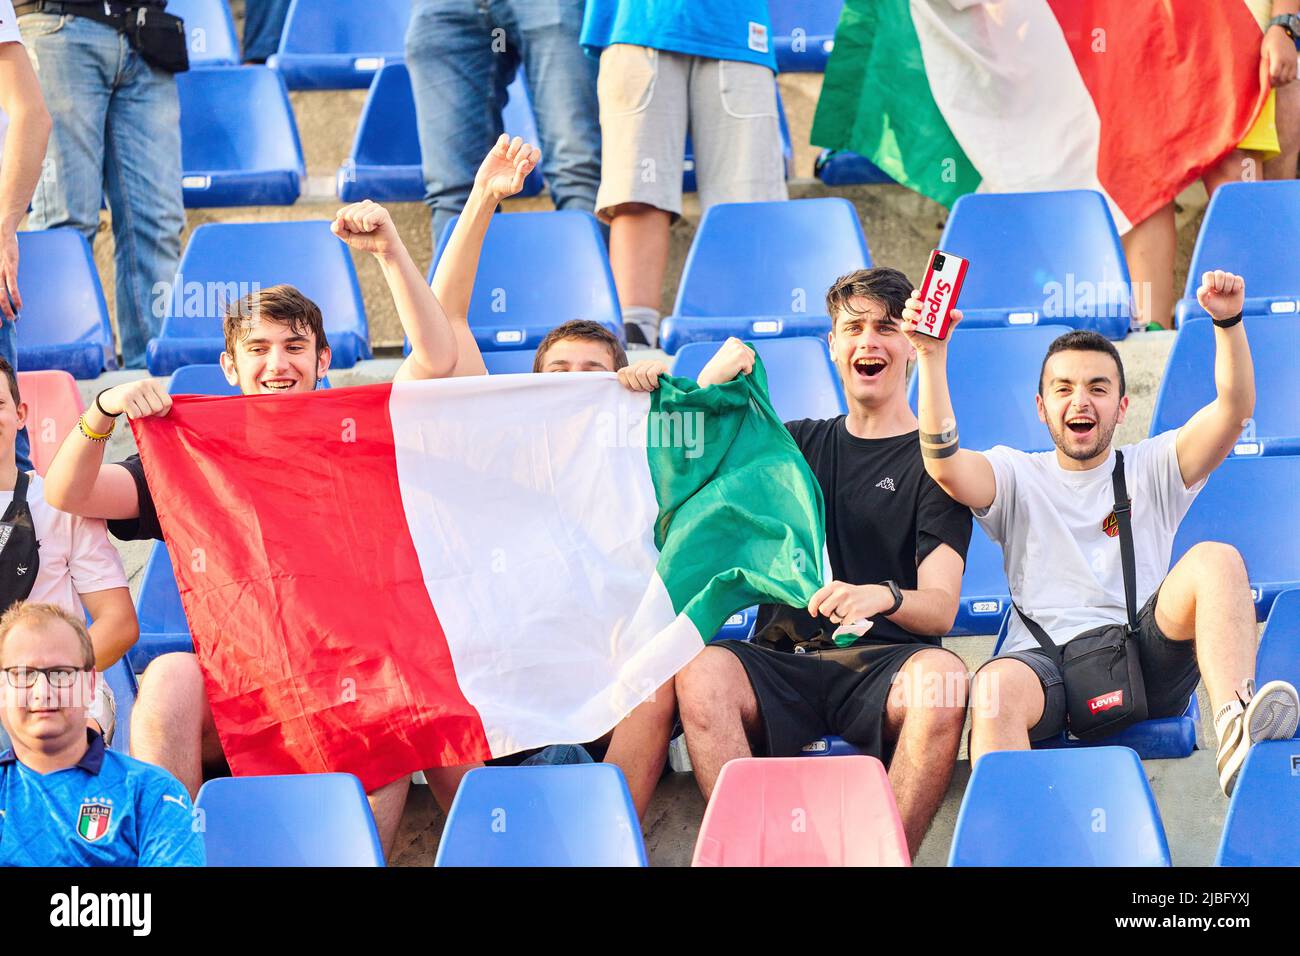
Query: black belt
99,12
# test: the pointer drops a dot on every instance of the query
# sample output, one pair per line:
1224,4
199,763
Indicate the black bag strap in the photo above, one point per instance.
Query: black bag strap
20,497
1126,557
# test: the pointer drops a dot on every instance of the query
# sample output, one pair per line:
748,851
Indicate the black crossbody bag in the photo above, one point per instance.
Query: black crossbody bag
158,37
1104,691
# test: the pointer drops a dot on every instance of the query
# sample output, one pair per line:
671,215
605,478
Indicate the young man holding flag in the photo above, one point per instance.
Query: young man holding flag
1054,515
863,660
275,344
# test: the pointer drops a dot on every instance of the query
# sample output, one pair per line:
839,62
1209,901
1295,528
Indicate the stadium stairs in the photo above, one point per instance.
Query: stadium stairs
901,228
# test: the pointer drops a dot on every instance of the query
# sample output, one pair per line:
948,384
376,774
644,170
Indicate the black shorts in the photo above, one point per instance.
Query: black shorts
840,691
1169,673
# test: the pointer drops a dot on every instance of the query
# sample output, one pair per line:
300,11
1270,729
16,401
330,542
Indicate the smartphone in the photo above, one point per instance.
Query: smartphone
939,291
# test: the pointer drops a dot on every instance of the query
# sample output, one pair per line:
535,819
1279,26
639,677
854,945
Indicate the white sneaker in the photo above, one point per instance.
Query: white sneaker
103,711
1271,714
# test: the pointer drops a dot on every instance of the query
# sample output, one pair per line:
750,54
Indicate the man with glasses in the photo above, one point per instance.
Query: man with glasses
66,800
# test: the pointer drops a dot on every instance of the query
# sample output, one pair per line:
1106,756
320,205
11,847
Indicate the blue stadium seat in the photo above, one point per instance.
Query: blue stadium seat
209,30
761,270
1050,257
1188,383
122,682
1251,504
64,322
689,184
1161,738
384,164
1260,828
1237,219
803,33
309,819
538,270
738,626
1059,808
569,815
839,167
1279,647
1005,415
228,260
829,746
163,627
801,378
331,45
239,142
509,363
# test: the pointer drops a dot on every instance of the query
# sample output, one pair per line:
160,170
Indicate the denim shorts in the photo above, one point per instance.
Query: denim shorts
1169,672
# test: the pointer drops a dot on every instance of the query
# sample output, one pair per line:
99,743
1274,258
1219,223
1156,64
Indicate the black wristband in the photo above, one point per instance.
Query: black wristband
101,407
1226,323
946,451
939,438
897,592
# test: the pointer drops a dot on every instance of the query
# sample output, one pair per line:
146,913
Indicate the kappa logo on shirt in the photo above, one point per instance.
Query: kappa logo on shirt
887,484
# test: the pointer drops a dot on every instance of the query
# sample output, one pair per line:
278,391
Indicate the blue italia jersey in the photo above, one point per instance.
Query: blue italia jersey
108,810
717,29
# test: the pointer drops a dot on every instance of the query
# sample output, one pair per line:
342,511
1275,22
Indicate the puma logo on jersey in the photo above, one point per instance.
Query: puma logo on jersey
887,484
180,802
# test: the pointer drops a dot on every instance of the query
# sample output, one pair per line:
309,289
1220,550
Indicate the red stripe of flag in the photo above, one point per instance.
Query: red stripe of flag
319,645
1177,86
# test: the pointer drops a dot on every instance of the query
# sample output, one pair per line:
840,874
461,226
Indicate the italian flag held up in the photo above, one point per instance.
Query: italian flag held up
385,578
1133,99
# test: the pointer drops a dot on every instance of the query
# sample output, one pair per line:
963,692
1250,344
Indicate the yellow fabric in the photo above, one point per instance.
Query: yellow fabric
1262,137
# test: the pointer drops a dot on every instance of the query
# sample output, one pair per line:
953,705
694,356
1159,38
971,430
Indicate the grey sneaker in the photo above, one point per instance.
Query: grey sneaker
1271,714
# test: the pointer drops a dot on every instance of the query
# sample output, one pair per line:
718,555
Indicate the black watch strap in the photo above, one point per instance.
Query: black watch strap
1226,323
897,592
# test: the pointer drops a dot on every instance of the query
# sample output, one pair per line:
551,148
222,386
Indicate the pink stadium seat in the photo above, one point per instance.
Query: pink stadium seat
53,407
788,811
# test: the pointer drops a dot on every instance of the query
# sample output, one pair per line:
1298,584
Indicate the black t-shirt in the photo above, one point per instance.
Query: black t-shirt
884,515
146,526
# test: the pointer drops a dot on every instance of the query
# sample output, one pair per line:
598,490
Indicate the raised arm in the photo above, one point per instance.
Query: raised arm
368,227
20,165
500,176
78,481
965,475
1209,435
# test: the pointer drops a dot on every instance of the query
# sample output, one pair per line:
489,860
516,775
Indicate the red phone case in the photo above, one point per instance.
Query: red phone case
939,293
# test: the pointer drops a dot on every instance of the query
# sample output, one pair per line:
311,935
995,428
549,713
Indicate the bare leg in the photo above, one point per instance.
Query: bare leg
1288,133
639,745
171,725
387,804
1007,700
443,782
1237,167
719,713
1206,598
638,253
1149,247
924,714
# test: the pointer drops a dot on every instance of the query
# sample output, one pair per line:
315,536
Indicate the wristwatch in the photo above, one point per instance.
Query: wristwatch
897,592
1289,22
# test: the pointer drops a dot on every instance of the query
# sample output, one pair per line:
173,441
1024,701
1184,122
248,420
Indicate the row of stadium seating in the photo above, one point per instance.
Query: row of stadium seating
324,45
754,270
1034,808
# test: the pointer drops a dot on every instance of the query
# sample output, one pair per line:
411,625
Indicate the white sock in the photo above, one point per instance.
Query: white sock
644,318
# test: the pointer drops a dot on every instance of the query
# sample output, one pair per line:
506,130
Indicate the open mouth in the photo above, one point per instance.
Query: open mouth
869,366
277,384
1080,426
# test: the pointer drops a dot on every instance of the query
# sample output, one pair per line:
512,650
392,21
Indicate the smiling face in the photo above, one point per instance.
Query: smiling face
43,717
870,352
1081,404
274,358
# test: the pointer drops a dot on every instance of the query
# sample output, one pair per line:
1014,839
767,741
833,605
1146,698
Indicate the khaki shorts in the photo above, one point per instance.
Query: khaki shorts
648,100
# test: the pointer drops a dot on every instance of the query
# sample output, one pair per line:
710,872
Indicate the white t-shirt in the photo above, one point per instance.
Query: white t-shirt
1063,567
76,555
8,34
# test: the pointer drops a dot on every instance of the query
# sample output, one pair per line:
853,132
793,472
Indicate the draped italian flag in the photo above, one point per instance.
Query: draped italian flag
386,578
1133,99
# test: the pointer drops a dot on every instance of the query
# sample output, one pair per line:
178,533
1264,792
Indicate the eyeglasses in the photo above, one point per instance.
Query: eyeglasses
60,677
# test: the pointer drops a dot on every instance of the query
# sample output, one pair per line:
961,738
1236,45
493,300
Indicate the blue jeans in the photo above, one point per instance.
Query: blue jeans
462,54
263,22
116,131
22,445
